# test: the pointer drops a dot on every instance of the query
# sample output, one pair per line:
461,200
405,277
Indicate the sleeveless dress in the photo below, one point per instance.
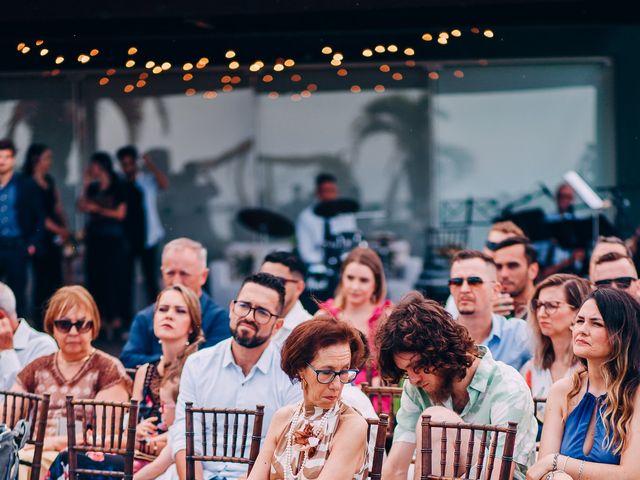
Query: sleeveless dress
306,419
575,431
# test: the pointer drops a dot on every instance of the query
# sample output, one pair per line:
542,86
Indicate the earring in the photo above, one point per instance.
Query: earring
188,343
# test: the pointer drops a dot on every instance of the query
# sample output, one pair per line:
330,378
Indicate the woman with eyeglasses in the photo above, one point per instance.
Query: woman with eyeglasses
361,298
591,423
77,369
552,310
321,437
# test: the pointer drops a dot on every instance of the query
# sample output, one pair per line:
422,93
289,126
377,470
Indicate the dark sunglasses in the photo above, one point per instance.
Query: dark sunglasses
493,246
621,282
471,281
65,326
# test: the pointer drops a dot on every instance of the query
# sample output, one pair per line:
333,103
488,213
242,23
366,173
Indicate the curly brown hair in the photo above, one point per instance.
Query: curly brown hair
302,345
422,326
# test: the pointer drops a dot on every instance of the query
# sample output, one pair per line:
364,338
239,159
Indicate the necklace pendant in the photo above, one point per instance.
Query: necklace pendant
313,441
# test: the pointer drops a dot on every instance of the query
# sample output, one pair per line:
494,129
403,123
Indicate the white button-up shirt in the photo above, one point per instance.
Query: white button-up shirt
310,232
28,344
211,378
295,317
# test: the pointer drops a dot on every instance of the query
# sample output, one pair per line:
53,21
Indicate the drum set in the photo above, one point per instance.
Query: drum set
322,278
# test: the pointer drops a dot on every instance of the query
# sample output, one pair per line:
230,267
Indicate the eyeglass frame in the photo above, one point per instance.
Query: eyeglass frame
253,309
619,281
537,304
335,374
477,281
82,326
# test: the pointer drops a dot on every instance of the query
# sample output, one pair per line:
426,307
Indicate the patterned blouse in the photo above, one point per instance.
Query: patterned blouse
98,373
318,455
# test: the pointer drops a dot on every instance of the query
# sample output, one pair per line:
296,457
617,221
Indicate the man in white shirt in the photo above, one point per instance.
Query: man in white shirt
19,343
289,268
312,230
240,372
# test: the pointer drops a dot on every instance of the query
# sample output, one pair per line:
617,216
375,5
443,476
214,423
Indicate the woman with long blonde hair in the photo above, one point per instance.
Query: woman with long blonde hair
552,310
591,424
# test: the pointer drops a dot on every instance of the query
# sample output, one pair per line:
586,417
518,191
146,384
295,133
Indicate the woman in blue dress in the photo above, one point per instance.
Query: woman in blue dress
592,420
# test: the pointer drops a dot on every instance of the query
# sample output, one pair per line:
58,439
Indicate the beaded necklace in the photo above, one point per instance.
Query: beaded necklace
318,430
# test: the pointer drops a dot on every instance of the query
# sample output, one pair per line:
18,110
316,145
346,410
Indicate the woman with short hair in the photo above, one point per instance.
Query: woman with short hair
320,438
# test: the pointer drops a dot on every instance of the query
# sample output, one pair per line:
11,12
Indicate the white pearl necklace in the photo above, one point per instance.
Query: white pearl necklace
318,433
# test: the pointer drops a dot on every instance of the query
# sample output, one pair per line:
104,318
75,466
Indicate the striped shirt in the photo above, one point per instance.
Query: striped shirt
497,395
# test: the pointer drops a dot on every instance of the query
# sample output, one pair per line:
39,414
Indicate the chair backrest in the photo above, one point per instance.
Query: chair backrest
538,408
131,372
103,430
232,424
488,441
15,406
375,472
390,407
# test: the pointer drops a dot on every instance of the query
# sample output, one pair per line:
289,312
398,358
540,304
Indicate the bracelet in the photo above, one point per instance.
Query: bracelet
580,470
550,476
554,465
564,467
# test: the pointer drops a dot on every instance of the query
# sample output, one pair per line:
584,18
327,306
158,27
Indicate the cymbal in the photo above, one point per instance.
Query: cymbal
266,222
336,207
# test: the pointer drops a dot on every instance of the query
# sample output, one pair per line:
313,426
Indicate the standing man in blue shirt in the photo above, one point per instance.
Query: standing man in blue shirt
474,284
21,223
184,261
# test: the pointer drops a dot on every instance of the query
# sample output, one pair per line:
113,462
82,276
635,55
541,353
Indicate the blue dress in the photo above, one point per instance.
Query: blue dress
575,432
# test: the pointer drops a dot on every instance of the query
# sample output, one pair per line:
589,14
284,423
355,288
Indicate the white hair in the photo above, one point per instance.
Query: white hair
183,243
7,300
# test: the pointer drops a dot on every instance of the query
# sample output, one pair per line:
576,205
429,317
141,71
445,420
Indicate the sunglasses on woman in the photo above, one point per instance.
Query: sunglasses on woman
65,326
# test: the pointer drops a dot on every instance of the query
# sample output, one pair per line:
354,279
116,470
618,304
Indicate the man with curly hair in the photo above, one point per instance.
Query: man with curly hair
453,380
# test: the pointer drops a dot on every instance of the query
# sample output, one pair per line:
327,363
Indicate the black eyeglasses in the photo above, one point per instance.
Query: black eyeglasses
65,326
620,282
260,315
327,376
550,307
471,281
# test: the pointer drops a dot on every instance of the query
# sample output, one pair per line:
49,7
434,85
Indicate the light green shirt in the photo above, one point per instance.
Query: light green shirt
497,395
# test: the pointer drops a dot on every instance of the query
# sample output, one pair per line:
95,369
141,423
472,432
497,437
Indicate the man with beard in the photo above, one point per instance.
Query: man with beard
473,284
239,372
452,379
517,268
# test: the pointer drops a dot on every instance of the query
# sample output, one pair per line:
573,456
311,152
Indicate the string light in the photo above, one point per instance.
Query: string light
103,81
130,63
267,78
166,66
488,33
190,92
209,94
94,52
379,88
409,52
59,60
289,63
187,66
327,50
39,42
230,54
234,65
132,50
227,88
367,52
385,68
296,77
342,72
25,49
43,52
140,83
434,75
128,88
273,95
427,37
458,74
356,89
187,77
379,49
397,76
150,64
21,45
456,33
278,67
392,48
157,69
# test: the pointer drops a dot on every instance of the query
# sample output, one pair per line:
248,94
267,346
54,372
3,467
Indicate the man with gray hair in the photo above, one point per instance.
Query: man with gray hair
184,261
19,343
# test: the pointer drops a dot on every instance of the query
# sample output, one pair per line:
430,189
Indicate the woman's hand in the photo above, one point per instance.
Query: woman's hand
543,466
146,428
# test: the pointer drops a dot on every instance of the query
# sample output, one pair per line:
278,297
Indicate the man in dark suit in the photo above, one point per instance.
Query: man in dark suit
21,223
184,261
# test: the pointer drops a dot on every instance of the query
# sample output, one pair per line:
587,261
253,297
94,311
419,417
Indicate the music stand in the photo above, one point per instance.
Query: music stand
590,198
